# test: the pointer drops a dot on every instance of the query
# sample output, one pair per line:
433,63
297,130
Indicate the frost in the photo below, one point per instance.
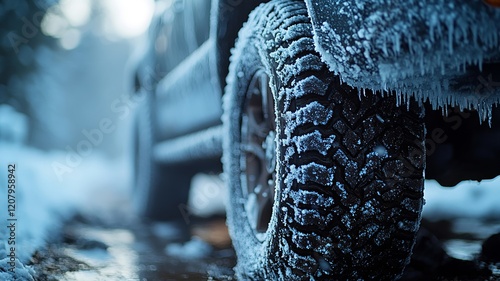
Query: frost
310,85
307,62
421,50
311,198
312,241
303,263
202,144
314,113
412,205
22,272
369,230
380,150
313,141
310,172
311,217
373,161
368,209
297,47
199,92
341,190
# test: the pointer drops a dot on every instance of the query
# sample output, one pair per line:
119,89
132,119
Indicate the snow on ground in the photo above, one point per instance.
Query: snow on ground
43,201
469,199
193,249
207,195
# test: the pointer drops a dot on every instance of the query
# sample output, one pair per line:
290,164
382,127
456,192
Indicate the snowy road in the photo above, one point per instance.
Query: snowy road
93,250
103,240
113,244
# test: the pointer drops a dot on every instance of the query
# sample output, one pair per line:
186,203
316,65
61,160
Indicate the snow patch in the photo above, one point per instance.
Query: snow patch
313,141
313,112
43,203
469,199
193,249
310,172
313,198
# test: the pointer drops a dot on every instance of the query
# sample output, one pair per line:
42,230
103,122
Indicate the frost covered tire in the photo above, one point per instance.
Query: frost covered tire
160,192
346,186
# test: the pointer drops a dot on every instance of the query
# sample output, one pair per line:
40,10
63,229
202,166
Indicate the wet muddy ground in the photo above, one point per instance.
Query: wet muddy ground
90,249
139,251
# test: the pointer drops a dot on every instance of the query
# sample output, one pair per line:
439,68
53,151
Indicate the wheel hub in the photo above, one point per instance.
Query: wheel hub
258,158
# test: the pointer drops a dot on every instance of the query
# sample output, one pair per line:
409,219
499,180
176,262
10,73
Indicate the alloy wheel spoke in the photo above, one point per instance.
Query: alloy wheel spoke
259,151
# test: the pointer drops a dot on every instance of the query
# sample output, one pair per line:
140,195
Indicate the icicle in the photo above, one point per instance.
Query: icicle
431,28
480,61
384,46
422,67
474,35
407,101
397,43
480,112
410,47
494,39
450,35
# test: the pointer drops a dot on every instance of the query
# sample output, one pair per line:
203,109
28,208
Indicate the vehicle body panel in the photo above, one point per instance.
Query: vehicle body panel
417,48
188,98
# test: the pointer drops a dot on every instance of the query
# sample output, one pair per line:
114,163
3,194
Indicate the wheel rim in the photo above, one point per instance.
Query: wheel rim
258,158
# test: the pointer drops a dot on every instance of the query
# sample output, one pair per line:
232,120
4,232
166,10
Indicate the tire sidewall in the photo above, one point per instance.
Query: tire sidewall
253,254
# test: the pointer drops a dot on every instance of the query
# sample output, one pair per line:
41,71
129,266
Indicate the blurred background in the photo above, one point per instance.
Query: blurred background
66,113
64,64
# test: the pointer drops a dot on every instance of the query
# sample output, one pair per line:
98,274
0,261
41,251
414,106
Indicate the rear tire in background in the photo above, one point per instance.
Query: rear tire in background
160,192
325,183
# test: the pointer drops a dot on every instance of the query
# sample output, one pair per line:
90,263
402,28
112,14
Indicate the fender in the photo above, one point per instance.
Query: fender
439,50
227,19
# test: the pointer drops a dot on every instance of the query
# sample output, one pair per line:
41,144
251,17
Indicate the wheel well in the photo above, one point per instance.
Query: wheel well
226,23
459,147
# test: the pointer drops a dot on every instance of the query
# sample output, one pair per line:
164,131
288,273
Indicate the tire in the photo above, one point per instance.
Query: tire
160,192
344,170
